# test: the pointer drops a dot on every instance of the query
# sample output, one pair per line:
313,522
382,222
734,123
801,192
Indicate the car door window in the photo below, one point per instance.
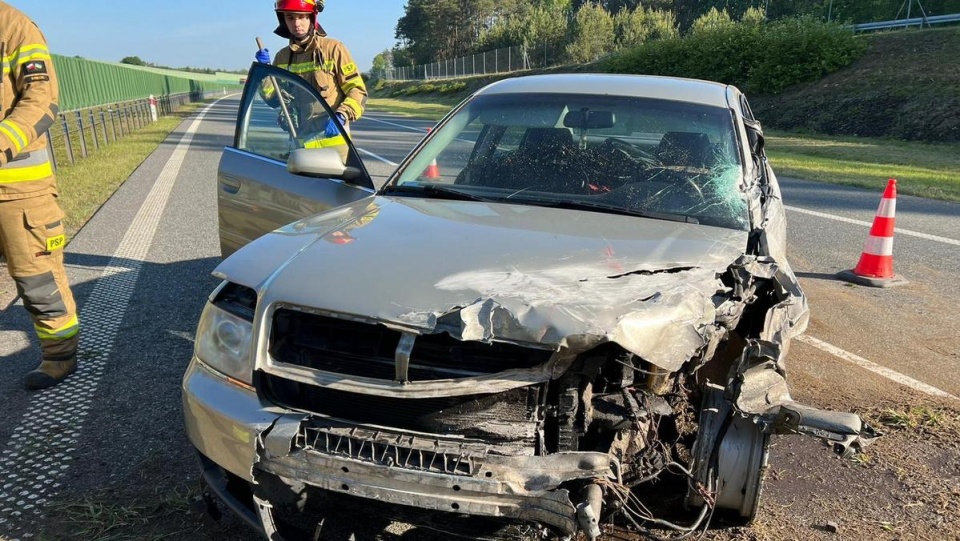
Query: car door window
271,129
454,157
257,190
281,112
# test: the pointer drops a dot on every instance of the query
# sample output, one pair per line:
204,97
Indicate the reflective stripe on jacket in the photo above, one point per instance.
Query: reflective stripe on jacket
28,95
327,65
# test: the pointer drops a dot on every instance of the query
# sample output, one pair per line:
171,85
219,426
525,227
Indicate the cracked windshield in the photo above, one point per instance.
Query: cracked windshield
645,157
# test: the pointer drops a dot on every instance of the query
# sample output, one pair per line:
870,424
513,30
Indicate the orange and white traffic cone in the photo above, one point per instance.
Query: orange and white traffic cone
432,171
875,267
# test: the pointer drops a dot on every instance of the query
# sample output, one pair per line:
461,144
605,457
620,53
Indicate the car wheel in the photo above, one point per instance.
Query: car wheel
741,458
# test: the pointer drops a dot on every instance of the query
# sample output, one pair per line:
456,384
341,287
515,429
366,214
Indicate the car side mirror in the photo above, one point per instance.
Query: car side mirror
320,162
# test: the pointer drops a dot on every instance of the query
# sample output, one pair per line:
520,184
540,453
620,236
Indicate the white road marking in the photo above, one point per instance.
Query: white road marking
381,158
875,368
42,446
870,224
421,130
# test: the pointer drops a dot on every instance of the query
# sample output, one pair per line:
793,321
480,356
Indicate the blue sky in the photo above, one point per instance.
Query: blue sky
200,33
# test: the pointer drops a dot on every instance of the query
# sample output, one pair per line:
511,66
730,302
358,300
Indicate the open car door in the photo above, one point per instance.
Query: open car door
282,167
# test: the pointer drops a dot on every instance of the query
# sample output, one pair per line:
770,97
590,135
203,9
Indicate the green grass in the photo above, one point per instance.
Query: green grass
905,87
925,170
431,109
87,184
96,517
95,520
915,418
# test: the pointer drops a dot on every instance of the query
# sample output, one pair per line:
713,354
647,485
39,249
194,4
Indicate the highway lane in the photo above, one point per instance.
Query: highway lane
385,139
911,328
125,426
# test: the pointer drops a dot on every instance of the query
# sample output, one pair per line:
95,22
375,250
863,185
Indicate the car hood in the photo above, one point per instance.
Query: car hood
502,272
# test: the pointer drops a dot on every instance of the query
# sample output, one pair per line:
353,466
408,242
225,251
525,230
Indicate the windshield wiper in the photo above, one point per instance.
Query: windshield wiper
585,205
435,190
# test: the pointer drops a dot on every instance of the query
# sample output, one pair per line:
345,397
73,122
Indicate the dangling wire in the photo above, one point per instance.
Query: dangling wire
636,512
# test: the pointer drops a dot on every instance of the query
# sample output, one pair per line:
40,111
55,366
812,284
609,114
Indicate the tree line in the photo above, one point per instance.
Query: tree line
572,31
137,61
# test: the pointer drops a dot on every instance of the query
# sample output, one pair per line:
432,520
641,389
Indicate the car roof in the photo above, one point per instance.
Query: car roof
640,86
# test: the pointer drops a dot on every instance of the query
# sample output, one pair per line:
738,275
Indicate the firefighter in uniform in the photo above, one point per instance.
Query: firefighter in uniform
31,221
326,64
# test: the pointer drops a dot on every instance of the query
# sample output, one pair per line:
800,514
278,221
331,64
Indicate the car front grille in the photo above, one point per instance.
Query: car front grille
349,348
361,349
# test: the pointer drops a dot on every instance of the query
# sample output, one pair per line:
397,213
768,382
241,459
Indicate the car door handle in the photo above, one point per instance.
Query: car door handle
230,185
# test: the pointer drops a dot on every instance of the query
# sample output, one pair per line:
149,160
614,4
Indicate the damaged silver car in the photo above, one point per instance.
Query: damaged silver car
573,288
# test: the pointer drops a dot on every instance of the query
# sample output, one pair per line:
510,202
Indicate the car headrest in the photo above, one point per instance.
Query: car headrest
684,148
546,140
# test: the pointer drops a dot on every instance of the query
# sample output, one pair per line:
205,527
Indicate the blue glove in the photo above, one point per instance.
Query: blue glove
331,128
263,56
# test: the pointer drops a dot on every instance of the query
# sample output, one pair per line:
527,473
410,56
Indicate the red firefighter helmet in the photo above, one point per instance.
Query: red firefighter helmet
302,6
297,6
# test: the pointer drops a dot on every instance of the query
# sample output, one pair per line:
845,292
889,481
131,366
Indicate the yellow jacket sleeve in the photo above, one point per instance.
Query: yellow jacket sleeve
351,84
28,70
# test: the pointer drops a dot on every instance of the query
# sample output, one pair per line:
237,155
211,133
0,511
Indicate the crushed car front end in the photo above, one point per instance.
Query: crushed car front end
514,401
538,356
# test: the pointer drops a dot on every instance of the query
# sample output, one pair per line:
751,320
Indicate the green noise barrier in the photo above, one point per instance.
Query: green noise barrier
88,83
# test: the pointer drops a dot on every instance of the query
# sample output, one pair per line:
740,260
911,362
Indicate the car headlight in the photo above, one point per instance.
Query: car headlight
225,333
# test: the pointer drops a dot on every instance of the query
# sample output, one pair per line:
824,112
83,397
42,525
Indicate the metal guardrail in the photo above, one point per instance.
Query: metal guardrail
904,23
78,133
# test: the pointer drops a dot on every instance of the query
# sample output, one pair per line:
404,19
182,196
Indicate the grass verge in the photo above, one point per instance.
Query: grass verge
86,185
925,170
431,109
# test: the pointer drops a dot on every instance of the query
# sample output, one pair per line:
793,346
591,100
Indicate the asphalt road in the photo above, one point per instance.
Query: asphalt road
141,275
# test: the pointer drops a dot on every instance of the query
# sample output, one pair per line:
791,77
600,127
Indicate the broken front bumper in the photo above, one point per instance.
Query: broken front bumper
233,428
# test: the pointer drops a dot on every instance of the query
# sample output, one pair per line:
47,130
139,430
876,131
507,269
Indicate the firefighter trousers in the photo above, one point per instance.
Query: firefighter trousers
32,238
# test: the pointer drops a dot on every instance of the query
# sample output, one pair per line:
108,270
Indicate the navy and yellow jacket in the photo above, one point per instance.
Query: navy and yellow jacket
327,65
28,96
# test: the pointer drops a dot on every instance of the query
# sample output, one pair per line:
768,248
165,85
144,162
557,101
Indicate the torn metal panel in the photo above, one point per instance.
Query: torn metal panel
643,312
665,316
554,288
421,471
278,439
845,431
761,380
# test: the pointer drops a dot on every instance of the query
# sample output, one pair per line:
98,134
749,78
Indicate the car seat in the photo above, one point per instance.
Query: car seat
689,149
543,159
